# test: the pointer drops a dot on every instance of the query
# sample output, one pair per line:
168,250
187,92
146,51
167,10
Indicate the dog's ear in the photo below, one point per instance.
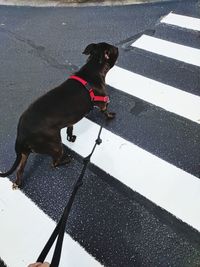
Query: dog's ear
89,49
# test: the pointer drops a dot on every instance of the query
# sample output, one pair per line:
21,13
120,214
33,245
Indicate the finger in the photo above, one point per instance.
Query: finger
37,264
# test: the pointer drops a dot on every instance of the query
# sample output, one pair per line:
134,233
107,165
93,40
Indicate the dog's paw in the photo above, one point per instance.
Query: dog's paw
110,115
15,186
65,160
71,138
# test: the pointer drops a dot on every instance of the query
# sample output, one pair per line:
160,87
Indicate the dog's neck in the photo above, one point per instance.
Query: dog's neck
104,69
96,68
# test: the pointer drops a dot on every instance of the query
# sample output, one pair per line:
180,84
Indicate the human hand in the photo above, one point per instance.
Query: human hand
39,264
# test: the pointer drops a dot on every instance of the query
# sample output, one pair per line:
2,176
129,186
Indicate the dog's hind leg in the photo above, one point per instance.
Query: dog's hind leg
70,136
50,144
59,157
20,170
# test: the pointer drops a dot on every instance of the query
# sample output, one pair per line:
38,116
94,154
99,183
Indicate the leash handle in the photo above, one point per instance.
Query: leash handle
60,227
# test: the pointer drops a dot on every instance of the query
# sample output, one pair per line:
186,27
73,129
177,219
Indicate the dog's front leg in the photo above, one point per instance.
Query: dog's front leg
70,136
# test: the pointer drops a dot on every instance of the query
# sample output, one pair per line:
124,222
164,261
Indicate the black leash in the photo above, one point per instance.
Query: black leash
60,227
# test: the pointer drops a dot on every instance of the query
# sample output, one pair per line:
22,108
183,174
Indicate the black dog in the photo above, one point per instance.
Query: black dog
39,126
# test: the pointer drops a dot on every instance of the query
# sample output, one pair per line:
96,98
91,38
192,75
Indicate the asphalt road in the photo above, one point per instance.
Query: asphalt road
40,47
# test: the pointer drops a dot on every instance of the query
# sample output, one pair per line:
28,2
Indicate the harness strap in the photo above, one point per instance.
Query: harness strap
90,89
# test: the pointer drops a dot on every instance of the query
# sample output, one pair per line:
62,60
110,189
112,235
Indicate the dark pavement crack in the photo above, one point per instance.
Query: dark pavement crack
41,52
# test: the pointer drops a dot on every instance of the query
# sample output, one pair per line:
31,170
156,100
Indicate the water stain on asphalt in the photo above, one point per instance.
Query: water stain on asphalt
138,108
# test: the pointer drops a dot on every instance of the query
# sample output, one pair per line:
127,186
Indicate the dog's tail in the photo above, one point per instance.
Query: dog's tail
18,150
14,167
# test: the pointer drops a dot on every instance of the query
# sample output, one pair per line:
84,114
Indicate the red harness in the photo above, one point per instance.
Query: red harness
93,97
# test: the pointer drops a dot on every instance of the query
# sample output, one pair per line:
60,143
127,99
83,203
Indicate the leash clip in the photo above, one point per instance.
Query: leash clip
98,141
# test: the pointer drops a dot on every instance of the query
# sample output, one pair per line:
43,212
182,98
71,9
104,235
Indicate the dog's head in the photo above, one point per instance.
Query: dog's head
103,53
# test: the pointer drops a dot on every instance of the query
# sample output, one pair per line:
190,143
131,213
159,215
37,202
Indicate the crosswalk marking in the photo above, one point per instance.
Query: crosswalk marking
168,49
166,185
25,229
167,97
182,21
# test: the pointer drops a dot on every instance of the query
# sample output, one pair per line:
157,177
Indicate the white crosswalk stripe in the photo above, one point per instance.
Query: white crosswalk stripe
169,49
182,21
22,222
157,180
167,97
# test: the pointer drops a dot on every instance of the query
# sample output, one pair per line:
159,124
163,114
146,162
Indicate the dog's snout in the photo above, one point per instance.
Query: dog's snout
116,50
